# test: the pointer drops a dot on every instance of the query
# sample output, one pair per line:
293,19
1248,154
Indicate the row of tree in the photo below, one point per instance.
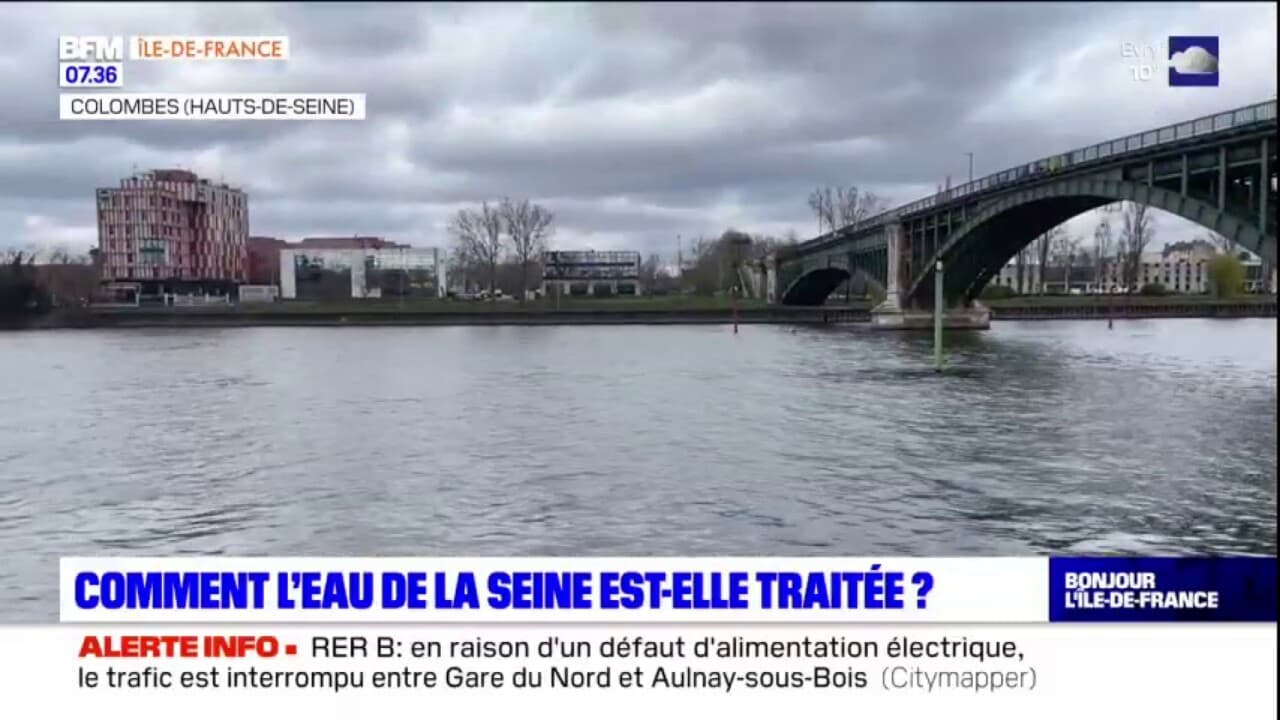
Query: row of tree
1122,251
837,207
21,293
716,265
499,246
1137,230
509,231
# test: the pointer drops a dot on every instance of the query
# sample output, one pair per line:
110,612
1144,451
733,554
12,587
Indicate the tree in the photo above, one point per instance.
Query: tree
491,245
698,273
843,206
479,234
1066,248
1137,230
651,273
716,263
1101,248
20,291
1021,269
529,225
1226,275
823,203
461,263
738,247
1041,247
853,207
1219,242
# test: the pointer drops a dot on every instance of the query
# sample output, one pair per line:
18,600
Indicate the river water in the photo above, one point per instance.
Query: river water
1051,437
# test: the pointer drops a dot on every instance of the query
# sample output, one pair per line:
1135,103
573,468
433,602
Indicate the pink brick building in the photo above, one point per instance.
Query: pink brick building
171,231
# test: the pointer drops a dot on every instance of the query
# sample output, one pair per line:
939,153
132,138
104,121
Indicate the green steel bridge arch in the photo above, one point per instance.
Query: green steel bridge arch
976,251
1218,171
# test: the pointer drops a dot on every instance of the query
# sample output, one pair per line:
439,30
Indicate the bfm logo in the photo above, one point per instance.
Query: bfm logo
97,48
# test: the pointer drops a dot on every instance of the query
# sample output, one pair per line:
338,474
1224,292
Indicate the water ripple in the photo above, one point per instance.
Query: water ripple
1156,437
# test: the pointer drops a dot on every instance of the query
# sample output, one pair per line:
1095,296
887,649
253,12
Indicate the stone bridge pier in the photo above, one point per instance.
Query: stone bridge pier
760,280
898,312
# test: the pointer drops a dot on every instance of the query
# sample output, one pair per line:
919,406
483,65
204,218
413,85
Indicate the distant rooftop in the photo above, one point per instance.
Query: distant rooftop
348,242
175,175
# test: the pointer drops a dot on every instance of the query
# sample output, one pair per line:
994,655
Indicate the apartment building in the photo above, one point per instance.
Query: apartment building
170,231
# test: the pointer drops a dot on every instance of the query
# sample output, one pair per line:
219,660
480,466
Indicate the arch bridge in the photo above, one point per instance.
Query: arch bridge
1218,171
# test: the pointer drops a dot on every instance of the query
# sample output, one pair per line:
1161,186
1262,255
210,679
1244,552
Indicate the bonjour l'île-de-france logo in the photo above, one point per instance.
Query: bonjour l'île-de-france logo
1193,60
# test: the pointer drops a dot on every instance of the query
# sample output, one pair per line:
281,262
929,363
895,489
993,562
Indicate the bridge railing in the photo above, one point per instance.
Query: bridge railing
1207,125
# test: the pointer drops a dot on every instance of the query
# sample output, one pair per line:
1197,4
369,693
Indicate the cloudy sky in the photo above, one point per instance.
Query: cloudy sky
635,124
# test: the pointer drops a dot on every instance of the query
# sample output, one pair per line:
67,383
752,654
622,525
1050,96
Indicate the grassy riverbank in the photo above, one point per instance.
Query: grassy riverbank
1052,301
481,307
1071,307
630,311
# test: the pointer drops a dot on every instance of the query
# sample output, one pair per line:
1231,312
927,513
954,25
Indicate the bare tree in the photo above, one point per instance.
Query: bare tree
823,203
1101,248
1084,256
1021,270
479,233
14,257
650,271
1219,242
1066,249
529,225
462,263
853,207
491,244
1041,247
738,248
1137,230
843,206
20,290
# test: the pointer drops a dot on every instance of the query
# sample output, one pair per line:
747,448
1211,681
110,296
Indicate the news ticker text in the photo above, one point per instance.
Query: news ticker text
726,660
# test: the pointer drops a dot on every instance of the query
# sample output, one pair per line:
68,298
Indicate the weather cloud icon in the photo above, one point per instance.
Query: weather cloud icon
1193,60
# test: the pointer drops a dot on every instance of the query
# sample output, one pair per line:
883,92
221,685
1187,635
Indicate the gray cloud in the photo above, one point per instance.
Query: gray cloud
634,123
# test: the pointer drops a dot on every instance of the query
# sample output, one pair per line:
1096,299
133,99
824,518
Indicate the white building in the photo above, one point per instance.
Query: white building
1008,276
1181,268
1255,278
365,272
590,272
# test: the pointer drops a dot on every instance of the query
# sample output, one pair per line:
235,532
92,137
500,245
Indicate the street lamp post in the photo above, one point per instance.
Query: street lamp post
970,166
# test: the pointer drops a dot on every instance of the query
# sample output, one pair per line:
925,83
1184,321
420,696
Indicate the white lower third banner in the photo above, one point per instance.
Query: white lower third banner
631,637
211,106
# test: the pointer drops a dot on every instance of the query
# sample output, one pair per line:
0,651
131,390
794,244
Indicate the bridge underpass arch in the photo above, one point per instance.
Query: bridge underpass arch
866,273
814,287
979,249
